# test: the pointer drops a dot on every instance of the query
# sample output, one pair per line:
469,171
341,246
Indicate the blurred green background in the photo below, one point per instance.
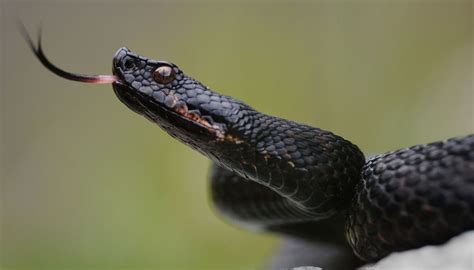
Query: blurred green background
88,184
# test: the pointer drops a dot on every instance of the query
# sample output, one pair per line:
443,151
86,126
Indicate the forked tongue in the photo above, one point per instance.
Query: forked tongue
38,51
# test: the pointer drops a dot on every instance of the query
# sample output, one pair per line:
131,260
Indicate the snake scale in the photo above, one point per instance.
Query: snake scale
281,176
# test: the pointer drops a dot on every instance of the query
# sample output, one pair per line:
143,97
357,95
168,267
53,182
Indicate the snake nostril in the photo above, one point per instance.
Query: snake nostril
129,64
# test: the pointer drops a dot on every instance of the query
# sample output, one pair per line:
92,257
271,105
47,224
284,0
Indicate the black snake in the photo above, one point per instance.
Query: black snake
282,176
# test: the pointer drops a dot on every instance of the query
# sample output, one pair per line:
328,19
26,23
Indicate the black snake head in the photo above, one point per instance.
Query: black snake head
184,107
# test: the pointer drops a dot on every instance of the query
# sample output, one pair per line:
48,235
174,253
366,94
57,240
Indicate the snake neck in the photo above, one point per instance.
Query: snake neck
314,169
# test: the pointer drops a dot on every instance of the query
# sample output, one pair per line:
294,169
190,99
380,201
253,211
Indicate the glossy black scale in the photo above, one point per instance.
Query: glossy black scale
413,197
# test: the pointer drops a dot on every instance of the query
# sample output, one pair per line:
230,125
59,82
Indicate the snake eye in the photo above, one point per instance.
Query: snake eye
164,74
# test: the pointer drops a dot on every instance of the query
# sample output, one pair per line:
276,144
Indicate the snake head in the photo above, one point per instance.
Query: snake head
182,106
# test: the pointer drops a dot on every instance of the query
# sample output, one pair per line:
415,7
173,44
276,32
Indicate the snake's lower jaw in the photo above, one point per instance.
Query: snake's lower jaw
123,93
134,100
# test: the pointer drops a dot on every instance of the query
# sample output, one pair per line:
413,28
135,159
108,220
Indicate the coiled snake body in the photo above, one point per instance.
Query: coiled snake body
285,177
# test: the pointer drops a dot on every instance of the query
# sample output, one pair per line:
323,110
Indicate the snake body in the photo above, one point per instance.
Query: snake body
281,176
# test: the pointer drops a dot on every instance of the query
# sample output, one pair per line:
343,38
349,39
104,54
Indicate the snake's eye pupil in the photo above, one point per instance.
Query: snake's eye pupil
164,74
129,63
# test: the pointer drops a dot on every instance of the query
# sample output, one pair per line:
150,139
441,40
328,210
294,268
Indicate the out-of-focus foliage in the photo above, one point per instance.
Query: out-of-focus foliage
88,184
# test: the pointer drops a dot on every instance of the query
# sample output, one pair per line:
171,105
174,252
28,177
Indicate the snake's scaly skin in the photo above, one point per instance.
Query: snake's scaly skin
406,199
413,197
278,175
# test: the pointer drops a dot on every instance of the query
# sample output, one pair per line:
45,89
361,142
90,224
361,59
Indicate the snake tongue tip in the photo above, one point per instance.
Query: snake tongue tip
38,51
